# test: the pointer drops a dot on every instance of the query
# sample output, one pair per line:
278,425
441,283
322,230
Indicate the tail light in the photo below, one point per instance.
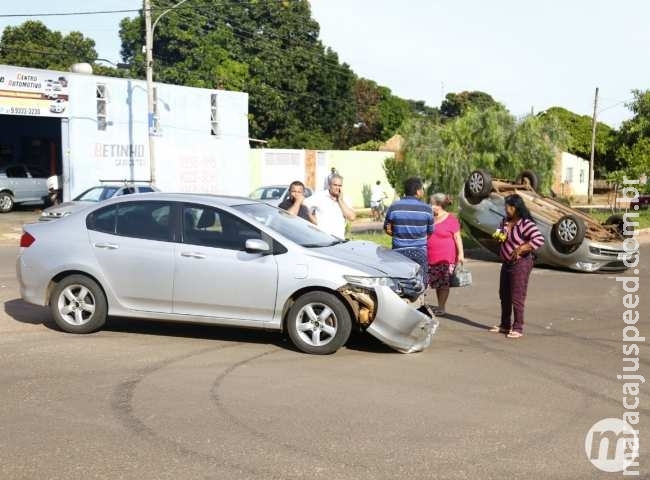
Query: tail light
26,239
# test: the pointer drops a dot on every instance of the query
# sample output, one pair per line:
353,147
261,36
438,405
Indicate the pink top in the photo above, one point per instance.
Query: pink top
441,246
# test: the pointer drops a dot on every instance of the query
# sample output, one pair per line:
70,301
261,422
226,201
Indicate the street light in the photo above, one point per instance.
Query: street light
149,29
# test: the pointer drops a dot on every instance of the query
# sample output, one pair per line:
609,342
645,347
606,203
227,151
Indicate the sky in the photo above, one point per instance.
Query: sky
528,55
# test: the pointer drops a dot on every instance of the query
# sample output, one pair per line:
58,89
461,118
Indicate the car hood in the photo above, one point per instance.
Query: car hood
369,257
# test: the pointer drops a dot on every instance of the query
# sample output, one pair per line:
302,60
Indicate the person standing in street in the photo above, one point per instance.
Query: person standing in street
377,196
409,222
444,249
294,203
331,208
519,237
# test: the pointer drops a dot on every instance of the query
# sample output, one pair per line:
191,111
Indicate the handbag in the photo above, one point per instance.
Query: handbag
461,276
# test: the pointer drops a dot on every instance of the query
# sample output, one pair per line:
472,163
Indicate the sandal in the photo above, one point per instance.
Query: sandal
514,334
498,329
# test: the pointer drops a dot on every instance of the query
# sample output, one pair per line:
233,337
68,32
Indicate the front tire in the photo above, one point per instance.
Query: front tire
318,323
6,202
567,232
78,305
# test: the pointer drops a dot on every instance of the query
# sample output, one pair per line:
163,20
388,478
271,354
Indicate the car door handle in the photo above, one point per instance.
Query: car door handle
192,255
108,246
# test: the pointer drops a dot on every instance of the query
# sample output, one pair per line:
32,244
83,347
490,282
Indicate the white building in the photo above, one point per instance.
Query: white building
90,128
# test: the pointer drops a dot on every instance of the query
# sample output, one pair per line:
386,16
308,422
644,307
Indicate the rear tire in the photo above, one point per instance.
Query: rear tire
529,177
78,305
6,202
619,223
318,323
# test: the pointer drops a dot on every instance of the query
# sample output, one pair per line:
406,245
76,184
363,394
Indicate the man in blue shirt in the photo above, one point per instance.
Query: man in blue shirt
410,222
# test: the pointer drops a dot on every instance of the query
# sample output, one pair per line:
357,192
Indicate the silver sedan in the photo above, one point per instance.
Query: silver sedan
220,260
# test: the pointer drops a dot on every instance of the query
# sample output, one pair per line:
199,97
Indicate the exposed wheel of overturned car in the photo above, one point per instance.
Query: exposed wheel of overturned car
619,223
78,304
6,202
567,233
478,186
529,177
318,323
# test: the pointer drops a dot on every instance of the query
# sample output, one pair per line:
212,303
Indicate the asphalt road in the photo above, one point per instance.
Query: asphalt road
145,400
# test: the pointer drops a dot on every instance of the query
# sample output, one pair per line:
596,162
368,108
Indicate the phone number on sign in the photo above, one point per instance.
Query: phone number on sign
25,111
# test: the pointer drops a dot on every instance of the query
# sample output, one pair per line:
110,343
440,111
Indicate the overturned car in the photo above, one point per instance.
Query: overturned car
223,261
573,239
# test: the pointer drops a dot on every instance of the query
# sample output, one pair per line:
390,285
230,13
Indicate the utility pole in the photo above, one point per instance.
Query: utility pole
590,195
148,45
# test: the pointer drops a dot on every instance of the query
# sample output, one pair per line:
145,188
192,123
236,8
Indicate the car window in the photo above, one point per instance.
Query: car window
145,189
148,220
102,220
294,228
125,191
16,171
96,194
211,227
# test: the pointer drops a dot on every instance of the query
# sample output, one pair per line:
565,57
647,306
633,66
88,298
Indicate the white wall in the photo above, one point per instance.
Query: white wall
575,173
187,157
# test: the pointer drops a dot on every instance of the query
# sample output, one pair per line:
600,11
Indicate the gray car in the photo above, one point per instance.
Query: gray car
275,194
573,239
22,184
223,261
92,196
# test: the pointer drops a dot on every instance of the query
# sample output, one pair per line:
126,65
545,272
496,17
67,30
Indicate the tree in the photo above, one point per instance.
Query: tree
633,149
444,154
579,129
34,45
456,104
300,95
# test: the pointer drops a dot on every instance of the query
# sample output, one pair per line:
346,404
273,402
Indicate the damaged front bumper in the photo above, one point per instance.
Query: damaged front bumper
394,321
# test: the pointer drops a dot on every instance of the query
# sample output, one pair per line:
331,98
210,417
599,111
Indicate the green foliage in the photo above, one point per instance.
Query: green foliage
444,154
634,137
366,193
369,146
34,45
579,130
457,104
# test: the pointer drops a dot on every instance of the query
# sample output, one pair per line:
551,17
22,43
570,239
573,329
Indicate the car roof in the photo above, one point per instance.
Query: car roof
223,200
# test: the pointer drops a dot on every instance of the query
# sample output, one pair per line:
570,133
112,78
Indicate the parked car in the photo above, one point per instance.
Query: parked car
92,196
642,201
22,184
573,239
275,194
58,104
224,261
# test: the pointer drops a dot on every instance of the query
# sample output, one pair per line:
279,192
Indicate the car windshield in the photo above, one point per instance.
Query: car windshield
268,193
96,194
294,228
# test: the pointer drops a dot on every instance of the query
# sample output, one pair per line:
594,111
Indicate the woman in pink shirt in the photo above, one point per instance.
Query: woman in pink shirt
444,249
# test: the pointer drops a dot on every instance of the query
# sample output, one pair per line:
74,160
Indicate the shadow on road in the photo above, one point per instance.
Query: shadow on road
24,312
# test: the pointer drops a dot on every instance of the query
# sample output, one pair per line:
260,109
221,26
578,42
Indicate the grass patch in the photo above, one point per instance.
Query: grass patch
602,215
384,240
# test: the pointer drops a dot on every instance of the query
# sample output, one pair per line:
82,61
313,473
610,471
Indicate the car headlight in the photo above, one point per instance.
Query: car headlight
369,282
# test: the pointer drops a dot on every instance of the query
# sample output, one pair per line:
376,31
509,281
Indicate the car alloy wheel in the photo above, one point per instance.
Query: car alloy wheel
319,323
78,304
6,202
568,231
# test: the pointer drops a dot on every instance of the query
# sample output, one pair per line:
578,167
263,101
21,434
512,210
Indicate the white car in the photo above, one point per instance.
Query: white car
274,194
91,197
57,106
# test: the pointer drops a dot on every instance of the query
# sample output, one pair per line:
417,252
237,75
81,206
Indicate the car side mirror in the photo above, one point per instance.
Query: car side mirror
256,245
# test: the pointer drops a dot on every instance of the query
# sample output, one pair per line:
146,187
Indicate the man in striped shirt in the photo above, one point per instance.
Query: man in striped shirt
410,222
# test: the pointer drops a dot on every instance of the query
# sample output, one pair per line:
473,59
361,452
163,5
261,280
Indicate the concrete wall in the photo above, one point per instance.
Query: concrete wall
276,166
571,176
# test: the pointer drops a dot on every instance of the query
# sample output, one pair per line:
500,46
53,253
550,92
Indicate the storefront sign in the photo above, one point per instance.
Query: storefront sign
39,93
